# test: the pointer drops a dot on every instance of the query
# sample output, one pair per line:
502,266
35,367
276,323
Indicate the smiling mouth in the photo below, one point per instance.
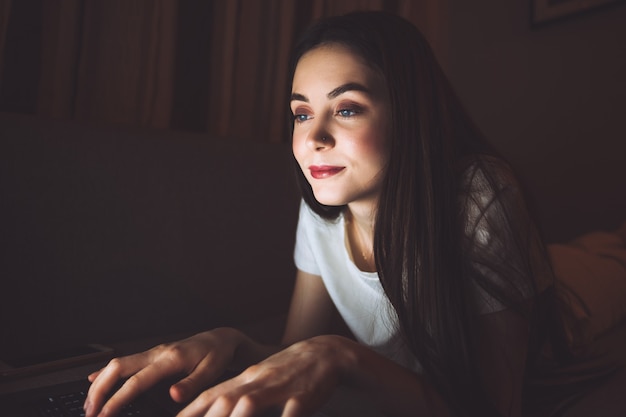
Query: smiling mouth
324,171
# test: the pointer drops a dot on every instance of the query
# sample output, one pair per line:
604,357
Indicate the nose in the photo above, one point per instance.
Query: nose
320,139
320,143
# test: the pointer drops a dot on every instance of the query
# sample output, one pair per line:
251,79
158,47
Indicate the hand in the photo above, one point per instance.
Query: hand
300,379
203,358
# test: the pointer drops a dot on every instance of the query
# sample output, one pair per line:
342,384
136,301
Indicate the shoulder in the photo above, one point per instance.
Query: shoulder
500,239
492,208
308,216
315,226
488,186
318,240
486,174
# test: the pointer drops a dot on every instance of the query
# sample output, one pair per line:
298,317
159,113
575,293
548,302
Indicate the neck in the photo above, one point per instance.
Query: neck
360,232
363,216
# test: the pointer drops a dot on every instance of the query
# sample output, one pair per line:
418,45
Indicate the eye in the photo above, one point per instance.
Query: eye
349,111
301,114
346,112
299,118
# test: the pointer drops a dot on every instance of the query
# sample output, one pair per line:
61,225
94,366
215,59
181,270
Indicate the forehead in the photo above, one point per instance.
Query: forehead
334,63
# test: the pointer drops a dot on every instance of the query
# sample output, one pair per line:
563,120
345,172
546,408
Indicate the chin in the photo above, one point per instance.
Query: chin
330,203
329,200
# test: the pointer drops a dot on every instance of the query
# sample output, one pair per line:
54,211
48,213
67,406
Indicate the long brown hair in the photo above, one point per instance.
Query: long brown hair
429,221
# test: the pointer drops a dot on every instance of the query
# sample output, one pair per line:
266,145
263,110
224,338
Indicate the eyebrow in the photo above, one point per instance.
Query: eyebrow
335,92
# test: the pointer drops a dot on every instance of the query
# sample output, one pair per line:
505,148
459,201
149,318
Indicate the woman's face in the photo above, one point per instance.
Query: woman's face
341,125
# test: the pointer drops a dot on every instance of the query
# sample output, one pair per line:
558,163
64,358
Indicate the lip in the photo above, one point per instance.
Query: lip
324,171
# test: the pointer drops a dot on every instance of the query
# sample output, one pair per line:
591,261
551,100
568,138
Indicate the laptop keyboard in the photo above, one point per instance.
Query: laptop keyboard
71,405
67,405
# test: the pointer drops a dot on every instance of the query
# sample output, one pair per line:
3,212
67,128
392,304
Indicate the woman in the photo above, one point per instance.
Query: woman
411,227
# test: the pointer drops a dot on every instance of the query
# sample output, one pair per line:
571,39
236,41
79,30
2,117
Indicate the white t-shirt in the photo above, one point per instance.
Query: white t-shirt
498,256
358,296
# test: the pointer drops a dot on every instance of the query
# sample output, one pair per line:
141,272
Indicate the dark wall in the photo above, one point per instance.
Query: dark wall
111,234
553,99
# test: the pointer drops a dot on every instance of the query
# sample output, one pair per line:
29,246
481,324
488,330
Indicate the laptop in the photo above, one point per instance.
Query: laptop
59,388
67,399
56,385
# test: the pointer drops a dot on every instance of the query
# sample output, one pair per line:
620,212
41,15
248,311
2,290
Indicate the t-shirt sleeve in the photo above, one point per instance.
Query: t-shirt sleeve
502,241
303,252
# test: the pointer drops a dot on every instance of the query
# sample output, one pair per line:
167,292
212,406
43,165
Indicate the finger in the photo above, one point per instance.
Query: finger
108,377
232,398
92,377
280,400
219,400
253,404
201,405
100,386
137,384
205,373
222,407
264,400
293,408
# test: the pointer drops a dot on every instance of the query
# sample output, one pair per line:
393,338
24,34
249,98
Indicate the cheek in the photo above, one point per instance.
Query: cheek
371,144
297,145
381,143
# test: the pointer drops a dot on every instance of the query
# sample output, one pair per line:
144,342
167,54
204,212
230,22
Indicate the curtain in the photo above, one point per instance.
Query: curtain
218,67
5,10
60,42
251,45
109,61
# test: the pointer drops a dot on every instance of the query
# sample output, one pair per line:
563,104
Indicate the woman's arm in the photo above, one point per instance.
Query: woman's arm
302,377
311,310
502,349
205,356
502,346
202,358
392,388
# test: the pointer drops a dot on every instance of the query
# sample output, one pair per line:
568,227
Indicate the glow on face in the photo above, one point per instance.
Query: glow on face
341,125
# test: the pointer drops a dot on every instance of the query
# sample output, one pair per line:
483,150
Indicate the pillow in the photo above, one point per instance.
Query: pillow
622,232
591,279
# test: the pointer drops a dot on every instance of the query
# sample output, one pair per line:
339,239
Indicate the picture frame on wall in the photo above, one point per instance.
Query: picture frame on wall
547,10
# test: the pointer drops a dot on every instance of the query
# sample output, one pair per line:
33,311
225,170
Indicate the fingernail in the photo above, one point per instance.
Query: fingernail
87,408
